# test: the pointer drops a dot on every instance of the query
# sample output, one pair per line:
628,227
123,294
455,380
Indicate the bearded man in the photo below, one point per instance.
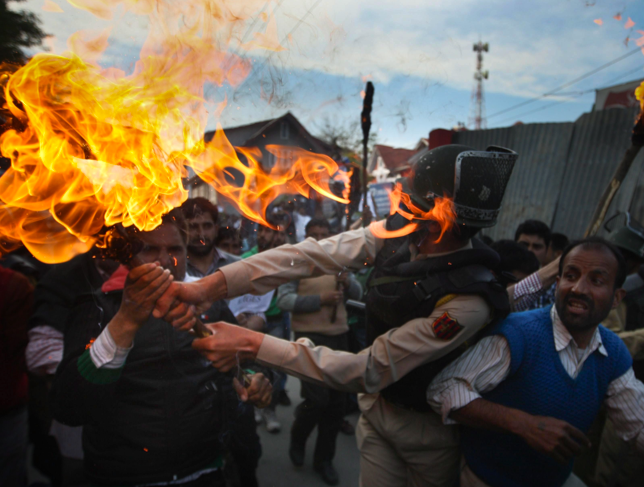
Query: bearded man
203,257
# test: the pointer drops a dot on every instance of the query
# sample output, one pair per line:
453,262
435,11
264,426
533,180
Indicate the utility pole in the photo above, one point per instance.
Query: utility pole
478,100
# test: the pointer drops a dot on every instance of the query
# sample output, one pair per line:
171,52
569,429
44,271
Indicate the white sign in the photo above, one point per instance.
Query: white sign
249,303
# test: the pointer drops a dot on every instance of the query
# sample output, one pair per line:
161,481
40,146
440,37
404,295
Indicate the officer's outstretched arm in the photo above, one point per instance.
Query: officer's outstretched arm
390,357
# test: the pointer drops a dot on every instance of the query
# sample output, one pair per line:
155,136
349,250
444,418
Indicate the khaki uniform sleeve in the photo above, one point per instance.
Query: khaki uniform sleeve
616,319
391,356
634,341
270,269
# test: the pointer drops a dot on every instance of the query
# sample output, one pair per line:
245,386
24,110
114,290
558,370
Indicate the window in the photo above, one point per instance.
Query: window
284,131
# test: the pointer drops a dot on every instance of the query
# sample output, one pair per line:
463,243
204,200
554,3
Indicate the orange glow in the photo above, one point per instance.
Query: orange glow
443,213
50,6
617,16
379,230
598,21
639,94
91,147
629,23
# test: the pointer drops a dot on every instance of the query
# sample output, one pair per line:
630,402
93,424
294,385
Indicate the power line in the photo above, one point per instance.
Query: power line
565,85
572,93
533,111
267,58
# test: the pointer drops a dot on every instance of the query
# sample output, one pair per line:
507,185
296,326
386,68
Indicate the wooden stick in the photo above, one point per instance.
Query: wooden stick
637,141
611,190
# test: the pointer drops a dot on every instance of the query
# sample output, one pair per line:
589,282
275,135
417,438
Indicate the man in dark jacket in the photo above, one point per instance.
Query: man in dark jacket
153,412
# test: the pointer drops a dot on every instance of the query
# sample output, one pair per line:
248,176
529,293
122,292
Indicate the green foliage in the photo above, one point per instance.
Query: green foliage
18,30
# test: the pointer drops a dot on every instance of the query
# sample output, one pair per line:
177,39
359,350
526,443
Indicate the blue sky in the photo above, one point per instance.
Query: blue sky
417,53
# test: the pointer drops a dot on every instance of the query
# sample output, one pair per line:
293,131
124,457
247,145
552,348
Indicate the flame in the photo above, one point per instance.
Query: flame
53,7
443,213
92,147
639,94
598,21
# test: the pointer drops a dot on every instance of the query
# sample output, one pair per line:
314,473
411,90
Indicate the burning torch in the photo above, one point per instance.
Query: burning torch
365,118
637,141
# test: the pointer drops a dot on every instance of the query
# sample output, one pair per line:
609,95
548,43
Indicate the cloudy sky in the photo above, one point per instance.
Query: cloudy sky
418,54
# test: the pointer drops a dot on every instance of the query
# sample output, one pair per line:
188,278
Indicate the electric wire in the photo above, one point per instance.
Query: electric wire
565,85
575,94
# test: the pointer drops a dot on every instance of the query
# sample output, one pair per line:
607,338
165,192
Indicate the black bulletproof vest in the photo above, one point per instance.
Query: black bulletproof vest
400,290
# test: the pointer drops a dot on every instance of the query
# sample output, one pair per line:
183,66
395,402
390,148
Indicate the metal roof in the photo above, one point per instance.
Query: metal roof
562,170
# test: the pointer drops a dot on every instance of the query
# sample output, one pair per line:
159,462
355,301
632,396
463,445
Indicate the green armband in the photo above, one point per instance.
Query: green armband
92,374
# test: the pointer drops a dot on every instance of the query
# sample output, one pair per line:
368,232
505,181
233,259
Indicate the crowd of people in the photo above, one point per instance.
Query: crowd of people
475,362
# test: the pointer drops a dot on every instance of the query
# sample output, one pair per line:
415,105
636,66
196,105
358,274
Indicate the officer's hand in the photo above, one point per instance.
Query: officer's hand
258,393
143,286
331,298
228,344
555,438
201,294
342,277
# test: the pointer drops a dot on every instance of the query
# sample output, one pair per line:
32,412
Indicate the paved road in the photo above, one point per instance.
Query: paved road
275,467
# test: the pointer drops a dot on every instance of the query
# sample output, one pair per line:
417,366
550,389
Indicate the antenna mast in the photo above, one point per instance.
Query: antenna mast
478,100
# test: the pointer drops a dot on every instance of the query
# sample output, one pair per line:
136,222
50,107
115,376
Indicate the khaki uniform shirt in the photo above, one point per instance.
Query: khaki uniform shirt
634,340
390,357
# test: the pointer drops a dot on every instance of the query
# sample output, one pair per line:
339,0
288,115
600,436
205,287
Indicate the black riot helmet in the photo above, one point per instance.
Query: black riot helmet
474,180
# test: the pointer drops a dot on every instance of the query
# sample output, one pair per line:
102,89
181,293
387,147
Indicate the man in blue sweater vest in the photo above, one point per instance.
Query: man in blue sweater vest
527,392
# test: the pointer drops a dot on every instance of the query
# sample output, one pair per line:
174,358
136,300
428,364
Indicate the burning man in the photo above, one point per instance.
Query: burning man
153,412
428,296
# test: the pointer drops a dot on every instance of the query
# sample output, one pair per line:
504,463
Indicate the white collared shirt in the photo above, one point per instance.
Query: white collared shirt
487,364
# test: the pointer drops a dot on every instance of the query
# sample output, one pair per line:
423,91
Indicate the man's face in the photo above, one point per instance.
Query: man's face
165,245
536,245
265,238
318,233
279,238
230,245
202,232
585,290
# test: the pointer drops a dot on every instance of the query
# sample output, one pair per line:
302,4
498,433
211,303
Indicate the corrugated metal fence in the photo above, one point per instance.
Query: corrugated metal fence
562,170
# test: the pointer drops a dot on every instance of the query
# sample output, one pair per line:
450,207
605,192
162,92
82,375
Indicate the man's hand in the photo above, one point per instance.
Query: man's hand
200,293
258,393
555,438
331,298
343,278
228,344
143,286
250,321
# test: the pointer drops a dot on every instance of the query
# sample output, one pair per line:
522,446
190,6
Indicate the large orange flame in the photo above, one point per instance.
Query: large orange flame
92,147
442,213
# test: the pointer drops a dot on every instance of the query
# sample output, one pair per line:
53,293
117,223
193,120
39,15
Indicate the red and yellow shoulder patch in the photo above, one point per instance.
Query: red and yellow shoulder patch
446,327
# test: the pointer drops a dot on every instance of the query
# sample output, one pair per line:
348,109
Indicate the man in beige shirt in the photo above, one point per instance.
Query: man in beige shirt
318,313
401,442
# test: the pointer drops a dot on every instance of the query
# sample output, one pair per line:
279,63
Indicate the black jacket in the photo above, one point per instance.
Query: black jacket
156,419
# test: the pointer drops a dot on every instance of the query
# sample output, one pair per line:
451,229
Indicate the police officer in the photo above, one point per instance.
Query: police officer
430,294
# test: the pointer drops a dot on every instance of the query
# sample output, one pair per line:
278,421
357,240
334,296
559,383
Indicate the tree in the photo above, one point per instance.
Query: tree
18,30
346,135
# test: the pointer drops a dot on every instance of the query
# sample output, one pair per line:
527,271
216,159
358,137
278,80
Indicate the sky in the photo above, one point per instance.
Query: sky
418,54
